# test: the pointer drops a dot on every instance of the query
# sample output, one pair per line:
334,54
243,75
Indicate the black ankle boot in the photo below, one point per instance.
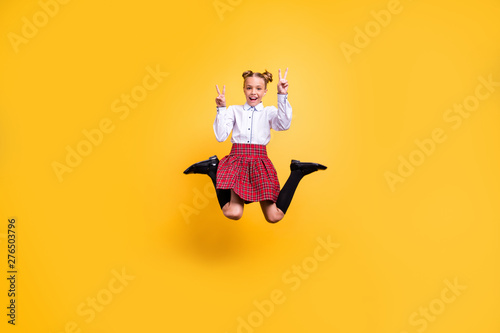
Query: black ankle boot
306,167
204,167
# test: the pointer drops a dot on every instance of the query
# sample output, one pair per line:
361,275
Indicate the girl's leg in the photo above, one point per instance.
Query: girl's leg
209,167
297,171
272,213
234,208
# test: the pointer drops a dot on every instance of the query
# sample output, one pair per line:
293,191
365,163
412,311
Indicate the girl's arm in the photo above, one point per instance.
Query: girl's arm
224,120
283,118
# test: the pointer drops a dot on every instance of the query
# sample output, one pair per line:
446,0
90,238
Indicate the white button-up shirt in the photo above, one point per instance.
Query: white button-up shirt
252,124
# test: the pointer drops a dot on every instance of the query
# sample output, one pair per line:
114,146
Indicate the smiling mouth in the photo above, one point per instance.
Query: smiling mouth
253,98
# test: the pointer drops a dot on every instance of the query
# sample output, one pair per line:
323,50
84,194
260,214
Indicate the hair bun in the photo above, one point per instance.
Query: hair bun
247,74
268,76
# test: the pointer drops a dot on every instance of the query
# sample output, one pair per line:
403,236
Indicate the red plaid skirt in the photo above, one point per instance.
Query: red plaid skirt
249,172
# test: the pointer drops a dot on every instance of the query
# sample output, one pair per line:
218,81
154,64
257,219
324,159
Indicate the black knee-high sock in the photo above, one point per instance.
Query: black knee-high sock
223,195
286,193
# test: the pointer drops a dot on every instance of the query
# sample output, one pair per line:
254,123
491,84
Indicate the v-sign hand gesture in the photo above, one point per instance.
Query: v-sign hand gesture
283,83
221,99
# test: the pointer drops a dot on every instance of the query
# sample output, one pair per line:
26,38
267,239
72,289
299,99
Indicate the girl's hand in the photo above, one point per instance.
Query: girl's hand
283,83
221,99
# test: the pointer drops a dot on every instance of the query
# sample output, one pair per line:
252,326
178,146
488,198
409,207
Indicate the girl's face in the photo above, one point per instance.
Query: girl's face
254,89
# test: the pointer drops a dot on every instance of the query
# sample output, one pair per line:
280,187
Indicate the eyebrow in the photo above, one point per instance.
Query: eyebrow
258,85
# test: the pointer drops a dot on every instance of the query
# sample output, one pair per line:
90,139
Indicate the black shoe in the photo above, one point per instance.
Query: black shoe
306,167
204,166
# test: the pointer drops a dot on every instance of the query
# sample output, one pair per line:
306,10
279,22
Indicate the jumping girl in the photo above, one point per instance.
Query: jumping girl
247,174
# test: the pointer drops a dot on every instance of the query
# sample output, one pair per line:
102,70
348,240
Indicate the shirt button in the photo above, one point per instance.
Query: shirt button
249,129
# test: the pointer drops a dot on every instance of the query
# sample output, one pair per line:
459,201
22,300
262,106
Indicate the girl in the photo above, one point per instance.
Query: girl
247,174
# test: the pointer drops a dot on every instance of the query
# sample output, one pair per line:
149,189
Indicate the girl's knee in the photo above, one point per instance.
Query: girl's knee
233,213
274,217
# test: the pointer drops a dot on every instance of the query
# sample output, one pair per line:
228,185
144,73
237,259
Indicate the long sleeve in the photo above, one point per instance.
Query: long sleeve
283,118
224,122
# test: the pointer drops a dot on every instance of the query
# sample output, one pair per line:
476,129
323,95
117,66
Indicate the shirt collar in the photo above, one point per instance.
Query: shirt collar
258,107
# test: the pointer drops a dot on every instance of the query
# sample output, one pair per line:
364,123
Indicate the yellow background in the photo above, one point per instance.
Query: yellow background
123,208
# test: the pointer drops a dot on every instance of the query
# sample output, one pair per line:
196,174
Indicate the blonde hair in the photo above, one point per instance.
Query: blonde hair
267,76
